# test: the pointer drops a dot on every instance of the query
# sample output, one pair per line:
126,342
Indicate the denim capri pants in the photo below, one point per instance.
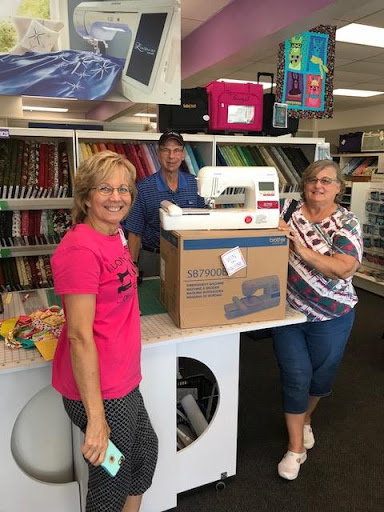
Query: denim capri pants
309,355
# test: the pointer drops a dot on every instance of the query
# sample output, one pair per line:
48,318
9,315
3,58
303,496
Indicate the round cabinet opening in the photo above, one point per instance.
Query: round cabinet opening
197,400
41,440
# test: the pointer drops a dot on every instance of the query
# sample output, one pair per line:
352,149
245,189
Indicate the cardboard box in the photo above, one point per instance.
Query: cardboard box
196,289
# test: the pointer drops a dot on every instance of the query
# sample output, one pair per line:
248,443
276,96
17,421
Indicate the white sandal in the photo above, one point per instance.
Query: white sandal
289,466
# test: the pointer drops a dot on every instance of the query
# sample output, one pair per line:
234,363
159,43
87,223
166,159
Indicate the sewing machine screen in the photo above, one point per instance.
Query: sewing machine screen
266,186
146,46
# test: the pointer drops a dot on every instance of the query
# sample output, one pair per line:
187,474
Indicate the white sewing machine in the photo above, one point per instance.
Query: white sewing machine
152,40
261,204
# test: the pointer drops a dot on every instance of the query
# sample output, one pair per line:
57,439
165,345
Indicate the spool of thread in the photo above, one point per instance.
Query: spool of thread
195,416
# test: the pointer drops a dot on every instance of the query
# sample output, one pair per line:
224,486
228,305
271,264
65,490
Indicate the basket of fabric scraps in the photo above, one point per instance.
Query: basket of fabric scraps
40,329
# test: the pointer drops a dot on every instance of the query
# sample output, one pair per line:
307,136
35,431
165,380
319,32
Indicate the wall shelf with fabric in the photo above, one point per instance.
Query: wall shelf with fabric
49,203
205,148
360,164
36,177
289,155
359,168
141,149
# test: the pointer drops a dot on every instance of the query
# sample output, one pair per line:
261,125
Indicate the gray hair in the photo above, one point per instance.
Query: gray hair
314,168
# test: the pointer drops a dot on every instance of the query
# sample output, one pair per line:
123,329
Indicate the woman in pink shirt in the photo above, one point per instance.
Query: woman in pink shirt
97,362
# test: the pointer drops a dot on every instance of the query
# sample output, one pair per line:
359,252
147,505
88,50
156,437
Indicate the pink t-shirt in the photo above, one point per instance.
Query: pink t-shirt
91,263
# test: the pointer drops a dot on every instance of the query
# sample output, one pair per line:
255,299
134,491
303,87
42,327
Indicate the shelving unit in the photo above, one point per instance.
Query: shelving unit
50,203
376,168
18,199
207,145
346,201
36,173
282,162
371,274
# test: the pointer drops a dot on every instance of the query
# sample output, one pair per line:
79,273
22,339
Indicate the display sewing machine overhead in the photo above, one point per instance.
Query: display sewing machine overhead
261,203
148,33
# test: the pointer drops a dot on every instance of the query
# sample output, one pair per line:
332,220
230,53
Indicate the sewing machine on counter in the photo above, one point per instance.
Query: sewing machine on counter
147,34
261,205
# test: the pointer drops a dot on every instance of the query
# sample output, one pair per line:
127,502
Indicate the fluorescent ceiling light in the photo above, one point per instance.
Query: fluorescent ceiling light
361,34
266,85
114,29
356,92
143,114
45,109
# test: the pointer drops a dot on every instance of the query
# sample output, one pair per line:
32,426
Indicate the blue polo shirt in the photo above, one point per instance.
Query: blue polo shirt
144,218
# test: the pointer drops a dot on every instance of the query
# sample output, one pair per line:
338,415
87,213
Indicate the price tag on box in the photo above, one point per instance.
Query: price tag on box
233,260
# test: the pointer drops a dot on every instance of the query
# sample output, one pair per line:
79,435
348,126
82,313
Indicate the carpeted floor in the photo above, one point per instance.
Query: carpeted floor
345,470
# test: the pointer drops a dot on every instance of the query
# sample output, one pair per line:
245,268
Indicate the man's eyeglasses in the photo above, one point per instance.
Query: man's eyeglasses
106,190
323,181
169,151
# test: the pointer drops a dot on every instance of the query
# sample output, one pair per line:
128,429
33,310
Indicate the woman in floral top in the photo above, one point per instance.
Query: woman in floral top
326,250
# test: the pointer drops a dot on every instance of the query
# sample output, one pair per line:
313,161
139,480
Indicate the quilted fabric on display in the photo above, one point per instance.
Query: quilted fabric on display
67,74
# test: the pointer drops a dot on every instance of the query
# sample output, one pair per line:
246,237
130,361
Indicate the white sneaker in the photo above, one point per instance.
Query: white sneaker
289,466
309,438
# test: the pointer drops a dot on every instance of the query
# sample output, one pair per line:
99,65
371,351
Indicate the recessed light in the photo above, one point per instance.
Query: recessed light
44,109
356,92
143,114
361,34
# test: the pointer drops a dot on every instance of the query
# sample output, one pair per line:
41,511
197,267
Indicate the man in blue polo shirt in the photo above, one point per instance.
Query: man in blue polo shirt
169,183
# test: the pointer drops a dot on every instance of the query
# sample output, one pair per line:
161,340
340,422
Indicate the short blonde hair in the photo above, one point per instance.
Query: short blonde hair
314,168
95,170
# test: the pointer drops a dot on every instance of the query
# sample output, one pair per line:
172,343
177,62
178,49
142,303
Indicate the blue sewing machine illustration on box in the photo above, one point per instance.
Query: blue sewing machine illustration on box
251,303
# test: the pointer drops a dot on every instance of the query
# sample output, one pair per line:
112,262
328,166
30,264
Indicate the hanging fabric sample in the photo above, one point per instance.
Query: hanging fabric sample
305,73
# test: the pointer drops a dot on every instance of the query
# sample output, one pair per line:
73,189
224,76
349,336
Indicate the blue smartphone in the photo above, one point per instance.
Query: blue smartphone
113,459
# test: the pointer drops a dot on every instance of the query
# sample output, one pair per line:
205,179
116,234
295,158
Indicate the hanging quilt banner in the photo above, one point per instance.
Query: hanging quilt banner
305,73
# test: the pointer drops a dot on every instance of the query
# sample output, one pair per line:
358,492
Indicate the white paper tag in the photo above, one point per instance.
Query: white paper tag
122,236
243,114
233,260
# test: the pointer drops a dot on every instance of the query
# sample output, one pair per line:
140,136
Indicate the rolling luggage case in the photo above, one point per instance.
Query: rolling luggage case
268,102
190,116
235,107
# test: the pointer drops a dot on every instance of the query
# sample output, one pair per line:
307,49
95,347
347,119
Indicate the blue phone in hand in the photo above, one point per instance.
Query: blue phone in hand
113,459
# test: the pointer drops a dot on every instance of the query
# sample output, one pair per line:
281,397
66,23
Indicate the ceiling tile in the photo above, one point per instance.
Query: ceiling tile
376,19
341,62
356,51
362,67
354,77
202,10
378,58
